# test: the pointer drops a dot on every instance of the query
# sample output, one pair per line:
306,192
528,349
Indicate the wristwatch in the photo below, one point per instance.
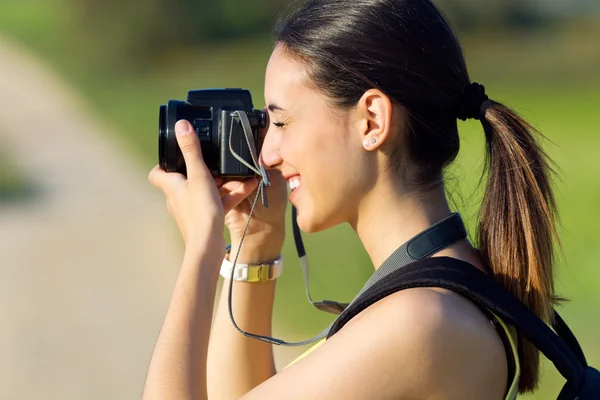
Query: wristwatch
261,272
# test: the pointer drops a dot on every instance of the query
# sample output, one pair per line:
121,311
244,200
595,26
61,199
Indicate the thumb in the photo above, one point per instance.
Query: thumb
190,148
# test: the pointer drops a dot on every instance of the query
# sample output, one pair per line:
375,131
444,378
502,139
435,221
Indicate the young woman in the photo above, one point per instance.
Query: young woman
363,98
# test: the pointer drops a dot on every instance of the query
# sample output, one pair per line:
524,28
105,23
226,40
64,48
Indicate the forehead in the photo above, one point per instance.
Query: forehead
285,78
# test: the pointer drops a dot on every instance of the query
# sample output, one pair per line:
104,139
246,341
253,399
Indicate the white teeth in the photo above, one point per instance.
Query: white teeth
293,183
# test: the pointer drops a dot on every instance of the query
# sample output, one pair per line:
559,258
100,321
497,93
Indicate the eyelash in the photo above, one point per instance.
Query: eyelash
279,124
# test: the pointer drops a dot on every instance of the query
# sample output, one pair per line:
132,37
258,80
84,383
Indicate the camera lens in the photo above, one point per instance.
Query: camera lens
162,137
170,158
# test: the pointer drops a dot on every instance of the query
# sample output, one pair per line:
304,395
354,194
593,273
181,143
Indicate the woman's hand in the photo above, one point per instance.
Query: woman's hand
265,220
266,232
195,202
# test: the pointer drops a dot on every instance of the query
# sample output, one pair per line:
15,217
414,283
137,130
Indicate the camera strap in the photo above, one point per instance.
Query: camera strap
256,168
435,238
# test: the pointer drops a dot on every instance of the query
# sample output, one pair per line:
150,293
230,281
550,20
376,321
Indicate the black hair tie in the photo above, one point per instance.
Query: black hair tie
473,102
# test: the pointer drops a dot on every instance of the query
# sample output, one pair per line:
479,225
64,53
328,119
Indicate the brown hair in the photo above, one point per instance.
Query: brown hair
517,222
406,49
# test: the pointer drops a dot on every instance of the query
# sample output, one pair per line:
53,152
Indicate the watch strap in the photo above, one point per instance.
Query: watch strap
260,272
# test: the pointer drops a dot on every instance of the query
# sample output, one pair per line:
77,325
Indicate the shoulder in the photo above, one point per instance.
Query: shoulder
414,344
446,341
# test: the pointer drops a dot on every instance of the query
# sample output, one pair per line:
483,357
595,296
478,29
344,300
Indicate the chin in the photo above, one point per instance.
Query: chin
311,223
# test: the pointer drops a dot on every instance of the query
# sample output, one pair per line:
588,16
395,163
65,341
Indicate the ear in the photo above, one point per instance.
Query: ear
375,113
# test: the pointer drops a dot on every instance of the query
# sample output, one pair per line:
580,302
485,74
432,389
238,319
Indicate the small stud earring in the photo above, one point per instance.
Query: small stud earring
369,142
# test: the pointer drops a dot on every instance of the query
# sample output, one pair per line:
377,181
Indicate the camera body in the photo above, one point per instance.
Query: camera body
212,114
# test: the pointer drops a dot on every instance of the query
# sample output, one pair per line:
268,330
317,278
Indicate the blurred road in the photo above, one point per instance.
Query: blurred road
87,264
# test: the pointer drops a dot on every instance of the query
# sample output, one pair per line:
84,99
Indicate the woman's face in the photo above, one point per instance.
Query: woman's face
318,148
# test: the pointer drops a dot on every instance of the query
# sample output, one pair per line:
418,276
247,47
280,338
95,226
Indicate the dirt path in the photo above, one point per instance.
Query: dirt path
87,265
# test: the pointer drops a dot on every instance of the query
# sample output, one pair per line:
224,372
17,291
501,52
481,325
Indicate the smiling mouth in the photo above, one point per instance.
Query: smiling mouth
294,183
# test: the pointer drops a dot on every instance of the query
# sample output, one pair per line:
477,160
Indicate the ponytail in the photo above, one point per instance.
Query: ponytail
517,221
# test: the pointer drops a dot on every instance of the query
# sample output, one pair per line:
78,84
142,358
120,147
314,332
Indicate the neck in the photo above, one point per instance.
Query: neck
389,218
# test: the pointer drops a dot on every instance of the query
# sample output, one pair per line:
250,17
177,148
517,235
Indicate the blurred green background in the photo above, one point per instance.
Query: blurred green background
540,57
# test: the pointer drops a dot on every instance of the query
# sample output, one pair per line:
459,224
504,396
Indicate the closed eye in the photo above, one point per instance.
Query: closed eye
279,124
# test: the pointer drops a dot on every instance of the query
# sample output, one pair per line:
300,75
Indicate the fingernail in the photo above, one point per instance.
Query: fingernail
182,128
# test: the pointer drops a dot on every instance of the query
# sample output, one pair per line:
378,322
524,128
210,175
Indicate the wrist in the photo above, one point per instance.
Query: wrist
211,234
209,248
259,272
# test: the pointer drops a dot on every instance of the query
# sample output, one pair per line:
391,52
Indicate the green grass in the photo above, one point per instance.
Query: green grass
561,98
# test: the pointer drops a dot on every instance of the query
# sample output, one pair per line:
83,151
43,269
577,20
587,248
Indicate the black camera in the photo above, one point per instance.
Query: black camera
216,116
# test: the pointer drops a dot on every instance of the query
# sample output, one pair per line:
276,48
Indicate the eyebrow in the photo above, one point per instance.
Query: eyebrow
274,107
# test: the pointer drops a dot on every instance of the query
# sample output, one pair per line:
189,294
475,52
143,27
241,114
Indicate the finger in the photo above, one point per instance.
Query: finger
239,194
163,180
219,181
157,176
190,149
223,191
230,186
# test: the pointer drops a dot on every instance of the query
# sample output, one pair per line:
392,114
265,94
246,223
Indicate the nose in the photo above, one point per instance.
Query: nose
270,154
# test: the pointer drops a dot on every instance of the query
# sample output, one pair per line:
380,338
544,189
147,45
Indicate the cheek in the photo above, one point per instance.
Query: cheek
332,176
319,153
343,155
333,171
300,147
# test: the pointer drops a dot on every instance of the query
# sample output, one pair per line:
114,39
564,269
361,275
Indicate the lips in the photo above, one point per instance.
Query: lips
294,183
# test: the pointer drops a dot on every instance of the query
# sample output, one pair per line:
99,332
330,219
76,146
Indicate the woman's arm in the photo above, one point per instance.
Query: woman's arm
237,364
178,365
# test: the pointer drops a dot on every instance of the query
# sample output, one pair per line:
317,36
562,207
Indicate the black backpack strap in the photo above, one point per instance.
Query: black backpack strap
485,291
